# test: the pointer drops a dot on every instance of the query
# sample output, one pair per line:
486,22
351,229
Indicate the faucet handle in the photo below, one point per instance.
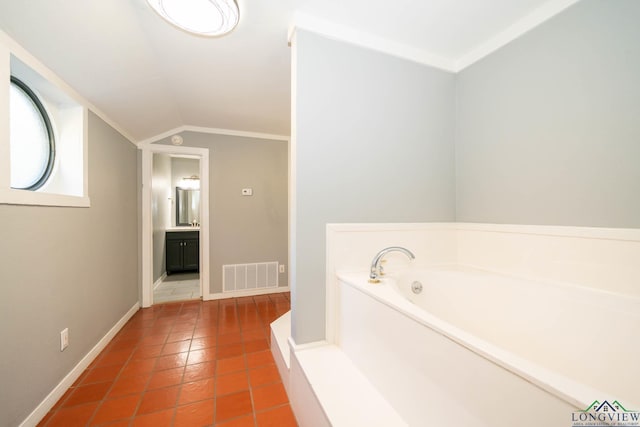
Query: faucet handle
380,267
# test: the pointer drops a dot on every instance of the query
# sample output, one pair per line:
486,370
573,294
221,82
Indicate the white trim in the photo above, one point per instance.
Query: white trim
215,131
85,151
147,229
248,293
400,226
21,53
72,122
291,181
147,219
517,29
45,406
626,234
370,41
631,234
159,281
5,75
349,35
21,197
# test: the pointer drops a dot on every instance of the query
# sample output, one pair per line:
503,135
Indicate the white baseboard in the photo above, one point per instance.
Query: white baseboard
246,293
159,281
45,406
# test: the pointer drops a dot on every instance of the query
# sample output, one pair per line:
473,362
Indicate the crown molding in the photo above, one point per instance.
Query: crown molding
214,131
303,21
517,29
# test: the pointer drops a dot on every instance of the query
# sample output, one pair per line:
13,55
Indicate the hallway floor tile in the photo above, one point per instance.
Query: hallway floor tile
188,363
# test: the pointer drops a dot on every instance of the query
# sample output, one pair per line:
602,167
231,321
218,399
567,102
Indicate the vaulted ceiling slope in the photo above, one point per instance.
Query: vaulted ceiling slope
149,77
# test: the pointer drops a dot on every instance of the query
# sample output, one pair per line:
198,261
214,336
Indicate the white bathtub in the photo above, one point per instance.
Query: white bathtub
480,349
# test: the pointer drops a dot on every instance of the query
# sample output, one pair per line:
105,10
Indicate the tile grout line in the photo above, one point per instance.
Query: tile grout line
144,390
215,372
253,405
252,314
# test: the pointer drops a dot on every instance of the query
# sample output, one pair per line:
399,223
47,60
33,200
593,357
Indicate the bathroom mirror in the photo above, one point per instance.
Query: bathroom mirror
187,206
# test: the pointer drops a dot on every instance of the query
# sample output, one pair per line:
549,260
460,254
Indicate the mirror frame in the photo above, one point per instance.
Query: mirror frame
178,204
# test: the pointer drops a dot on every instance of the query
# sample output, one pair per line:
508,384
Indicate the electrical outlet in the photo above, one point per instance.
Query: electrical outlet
281,268
64,339
247,191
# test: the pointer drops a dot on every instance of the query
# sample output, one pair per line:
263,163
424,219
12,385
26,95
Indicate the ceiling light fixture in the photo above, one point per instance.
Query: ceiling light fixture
190,182
203,17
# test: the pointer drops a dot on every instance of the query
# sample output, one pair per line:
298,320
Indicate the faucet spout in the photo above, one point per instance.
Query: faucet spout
376,269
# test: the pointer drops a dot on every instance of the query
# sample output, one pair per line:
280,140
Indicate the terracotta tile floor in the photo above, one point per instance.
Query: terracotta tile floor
188,363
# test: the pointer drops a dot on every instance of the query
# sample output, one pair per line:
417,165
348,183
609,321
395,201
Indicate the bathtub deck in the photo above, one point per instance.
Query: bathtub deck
328,389
347,398
280,333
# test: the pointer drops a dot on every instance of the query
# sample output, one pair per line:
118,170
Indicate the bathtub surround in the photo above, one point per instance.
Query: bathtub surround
544,131
351,246
463,380
589,275
244,229
73,268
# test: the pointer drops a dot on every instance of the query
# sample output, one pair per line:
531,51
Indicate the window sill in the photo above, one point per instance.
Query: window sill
22,197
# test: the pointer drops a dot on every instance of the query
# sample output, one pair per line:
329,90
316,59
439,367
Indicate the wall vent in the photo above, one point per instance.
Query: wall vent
240,277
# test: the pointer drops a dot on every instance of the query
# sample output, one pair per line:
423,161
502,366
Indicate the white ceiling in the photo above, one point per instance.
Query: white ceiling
149,78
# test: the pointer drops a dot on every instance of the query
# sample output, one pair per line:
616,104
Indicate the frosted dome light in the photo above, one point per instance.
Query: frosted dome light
202,17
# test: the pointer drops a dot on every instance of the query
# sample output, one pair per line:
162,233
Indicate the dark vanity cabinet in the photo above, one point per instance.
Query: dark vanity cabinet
183,251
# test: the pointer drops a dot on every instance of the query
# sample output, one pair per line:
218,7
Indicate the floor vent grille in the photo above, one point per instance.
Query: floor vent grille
240,277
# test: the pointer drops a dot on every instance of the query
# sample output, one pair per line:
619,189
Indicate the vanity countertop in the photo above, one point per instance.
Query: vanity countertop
183,228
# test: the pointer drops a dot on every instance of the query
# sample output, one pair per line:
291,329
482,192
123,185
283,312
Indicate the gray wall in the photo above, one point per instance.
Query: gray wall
244,229
374,143
66,267
160,210
548,127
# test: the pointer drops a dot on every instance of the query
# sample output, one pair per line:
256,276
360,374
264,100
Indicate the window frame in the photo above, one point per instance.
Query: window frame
51,158
68,185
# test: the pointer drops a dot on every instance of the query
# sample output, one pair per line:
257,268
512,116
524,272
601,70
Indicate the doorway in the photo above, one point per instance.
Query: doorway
167,229
175,197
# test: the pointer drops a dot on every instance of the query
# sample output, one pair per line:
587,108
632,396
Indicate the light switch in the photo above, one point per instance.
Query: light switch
247,191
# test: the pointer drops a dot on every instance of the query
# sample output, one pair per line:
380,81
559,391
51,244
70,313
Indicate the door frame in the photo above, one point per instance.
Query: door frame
147,217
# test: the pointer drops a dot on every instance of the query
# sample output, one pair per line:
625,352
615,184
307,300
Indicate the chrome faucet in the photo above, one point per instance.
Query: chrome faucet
376,268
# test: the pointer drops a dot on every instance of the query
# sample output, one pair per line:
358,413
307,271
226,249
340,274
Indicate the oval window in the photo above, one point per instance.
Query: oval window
31,142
